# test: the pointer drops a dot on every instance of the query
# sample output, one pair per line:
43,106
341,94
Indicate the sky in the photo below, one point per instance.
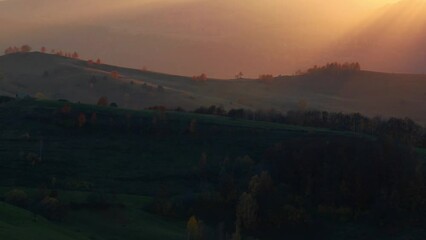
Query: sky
188,37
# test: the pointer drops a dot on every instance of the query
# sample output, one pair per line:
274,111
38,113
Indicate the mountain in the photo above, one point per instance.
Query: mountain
370,93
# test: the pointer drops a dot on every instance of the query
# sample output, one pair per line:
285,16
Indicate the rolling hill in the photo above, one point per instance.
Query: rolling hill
370,93
125,157
141,174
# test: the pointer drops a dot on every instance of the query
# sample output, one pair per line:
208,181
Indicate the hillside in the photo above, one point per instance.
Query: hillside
127,141
141,174
123,152
18,223
370,93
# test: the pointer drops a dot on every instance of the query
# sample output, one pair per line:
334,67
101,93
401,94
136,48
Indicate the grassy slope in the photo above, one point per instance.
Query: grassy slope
121,161
118,160
130,222
371,93
131,161
18,224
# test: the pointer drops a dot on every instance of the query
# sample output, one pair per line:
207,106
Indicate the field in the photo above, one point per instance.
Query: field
158,152
137,153
128,159
129,222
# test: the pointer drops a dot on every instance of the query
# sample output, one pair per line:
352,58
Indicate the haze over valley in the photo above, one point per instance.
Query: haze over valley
57,77
212,119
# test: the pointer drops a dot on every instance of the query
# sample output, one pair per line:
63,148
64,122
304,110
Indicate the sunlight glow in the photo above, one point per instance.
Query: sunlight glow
273,36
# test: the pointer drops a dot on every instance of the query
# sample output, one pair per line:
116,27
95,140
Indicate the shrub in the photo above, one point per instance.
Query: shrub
16,197
51,208
266,77
103,101
200,78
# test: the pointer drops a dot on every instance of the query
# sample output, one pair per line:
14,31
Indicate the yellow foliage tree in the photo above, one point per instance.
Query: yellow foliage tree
193,228
81,120
40,95
261,185
115,74
247,210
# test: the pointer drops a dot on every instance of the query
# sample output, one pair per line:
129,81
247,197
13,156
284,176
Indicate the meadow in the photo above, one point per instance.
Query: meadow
127,174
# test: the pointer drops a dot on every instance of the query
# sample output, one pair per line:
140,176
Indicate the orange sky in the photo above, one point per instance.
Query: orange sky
219,37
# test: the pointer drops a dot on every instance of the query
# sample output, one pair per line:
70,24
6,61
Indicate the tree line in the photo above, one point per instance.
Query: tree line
14,49
333,68
403,130
302,185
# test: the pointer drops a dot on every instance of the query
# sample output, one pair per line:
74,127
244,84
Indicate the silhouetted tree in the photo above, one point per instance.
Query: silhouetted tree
333,69
266,77
11,50
247,211
103,101
75,55
25,48
240,75
200,78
